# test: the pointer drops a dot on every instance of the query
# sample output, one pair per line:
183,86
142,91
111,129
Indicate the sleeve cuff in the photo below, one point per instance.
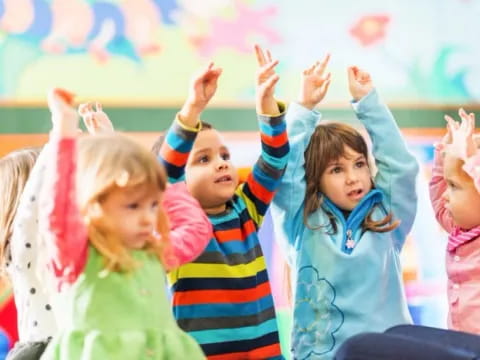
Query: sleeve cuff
188,128
366,101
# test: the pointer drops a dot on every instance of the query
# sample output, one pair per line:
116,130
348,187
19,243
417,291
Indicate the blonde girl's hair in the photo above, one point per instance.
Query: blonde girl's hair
109,162
328,144
15,169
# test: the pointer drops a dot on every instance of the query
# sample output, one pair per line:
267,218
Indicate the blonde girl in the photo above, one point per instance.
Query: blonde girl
109,246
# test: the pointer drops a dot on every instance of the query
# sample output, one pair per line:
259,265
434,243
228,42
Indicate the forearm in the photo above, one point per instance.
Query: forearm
437,186
68,247
176,148
190,228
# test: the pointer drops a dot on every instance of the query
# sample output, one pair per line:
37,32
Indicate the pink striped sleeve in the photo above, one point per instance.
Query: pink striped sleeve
472,168
190,228
437,187
68,249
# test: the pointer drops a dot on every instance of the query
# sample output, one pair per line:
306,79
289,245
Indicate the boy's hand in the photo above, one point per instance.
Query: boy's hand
359,82
64,115
202,89
266,81
315,83
95,119
462,143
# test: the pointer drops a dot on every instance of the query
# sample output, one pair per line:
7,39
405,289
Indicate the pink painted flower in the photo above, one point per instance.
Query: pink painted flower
370,29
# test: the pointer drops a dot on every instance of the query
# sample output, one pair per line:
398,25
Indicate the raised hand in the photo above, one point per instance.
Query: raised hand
64,115
462,143
359,82
202,88
95,119
315,83
266,79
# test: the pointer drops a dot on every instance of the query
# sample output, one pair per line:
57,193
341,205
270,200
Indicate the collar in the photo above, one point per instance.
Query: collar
356,217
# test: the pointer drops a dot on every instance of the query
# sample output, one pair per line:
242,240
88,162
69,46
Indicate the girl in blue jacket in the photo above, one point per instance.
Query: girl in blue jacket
341,224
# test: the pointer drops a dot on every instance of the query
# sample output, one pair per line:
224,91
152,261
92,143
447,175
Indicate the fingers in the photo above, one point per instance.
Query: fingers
267,70
310,70
321,66
270,82
269,56
259,55
83,109
452,125
325,86
351,73
263,57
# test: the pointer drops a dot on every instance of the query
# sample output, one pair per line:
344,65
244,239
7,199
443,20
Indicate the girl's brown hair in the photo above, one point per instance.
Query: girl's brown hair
328,144
15,169
109,162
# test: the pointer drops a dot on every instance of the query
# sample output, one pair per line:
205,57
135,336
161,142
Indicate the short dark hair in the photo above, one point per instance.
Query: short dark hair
206,126
157,145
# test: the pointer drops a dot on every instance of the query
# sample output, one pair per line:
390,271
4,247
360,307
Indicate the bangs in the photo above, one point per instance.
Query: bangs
337,138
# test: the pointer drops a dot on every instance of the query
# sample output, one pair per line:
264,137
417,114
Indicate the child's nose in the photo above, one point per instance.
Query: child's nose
222,164
445,195
351,177
148,217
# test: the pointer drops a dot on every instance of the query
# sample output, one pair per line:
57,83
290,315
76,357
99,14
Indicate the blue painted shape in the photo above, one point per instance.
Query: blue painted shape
42,21
166,8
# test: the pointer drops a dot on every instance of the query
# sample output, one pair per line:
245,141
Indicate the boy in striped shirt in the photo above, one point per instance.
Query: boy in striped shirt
223,298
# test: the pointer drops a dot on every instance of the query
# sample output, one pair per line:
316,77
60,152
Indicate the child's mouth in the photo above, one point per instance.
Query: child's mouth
355,194
223,179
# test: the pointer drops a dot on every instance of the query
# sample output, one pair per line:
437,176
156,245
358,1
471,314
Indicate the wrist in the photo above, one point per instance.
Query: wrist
190,113
61,131
268,107
306,104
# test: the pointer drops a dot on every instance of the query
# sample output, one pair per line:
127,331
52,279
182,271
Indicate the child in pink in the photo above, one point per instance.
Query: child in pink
455,196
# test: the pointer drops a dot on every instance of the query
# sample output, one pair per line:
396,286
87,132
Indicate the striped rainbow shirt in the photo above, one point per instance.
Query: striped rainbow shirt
223,298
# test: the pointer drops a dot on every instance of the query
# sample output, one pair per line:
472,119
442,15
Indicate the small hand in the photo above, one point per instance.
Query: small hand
315,84
95,119
359,82
202,88
266,79
64,115
462,143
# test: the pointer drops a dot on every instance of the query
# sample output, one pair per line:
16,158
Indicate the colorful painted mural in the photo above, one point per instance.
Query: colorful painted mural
129,51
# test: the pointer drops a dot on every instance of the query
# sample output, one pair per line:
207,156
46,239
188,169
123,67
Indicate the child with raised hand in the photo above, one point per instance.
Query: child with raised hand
341,228
19,241
454,192
109,242
22,173
223,299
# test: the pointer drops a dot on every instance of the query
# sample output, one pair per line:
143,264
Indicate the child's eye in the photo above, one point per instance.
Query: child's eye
225,156
132,206
451,185
203,159
336,170
360,164
154,204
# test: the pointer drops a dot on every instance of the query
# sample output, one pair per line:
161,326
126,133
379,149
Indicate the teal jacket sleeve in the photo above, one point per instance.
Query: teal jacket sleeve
287,205
397,167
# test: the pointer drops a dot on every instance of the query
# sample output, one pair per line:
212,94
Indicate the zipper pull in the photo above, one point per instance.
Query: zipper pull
350,244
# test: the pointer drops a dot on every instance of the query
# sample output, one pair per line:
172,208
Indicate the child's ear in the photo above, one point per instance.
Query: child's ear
94,211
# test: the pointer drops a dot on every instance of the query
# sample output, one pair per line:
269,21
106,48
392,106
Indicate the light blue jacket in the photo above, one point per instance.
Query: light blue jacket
339,292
